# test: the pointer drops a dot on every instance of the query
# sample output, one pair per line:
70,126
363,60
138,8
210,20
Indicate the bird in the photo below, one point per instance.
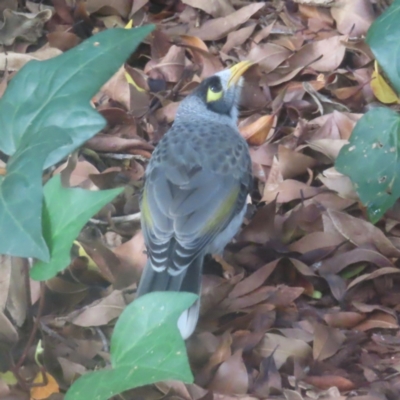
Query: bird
195,193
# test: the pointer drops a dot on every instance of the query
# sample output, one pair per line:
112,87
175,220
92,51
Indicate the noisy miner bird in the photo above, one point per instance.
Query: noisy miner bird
195,191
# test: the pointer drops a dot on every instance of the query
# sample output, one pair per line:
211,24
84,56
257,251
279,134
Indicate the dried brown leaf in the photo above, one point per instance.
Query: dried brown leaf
289,190
378,320
216,8
257,132
24,26
218,28
327,341
328,381
361,232
238,37
231,376
100,312
353,17
282,348
268,56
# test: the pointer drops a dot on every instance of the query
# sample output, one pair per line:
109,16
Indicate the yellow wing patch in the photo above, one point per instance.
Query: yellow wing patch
222,212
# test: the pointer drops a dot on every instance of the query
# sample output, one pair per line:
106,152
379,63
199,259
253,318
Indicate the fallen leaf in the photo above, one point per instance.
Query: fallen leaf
361,232
216,8
327,381
381,89
218,28
44,392
100,312
27,27
353,17
257,132
283,348
327,341
231,376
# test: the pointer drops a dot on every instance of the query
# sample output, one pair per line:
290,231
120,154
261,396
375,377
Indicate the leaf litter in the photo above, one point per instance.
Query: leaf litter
304,304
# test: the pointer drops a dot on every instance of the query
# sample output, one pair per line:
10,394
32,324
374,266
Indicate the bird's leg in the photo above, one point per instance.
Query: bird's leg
228,270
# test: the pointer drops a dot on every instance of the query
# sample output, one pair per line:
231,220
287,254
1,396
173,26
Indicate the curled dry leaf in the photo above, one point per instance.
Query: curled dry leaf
337,263
201,56
344,319
373,275
327,381
257,132
378,319
15,61
43,391
121,7
115,144
329,147
339,183
28,27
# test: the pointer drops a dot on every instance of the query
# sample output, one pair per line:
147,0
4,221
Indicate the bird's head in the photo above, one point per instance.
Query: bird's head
217,96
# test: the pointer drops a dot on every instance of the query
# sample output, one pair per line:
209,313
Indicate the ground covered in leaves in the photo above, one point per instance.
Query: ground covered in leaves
305,303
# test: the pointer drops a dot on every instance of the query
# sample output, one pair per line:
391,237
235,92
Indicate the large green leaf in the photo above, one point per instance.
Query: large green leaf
45,114
19,215
383,38
57,92
372,160
65,212
146,347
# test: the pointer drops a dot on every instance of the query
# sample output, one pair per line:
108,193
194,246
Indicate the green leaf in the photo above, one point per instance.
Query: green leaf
65,212
372,160
21,195
383,39
57,92
146,347
45,114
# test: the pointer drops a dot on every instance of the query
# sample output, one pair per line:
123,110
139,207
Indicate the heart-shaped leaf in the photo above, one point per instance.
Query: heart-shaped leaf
45,114
65,212
146,347
372,160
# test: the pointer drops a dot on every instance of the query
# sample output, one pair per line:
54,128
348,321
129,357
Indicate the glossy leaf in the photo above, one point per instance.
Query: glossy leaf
146,347
372,160
65,213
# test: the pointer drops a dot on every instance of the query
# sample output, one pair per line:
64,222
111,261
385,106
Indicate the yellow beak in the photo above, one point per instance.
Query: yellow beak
237,71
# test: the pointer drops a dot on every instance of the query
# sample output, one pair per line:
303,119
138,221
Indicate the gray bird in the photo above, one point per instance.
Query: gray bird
195,191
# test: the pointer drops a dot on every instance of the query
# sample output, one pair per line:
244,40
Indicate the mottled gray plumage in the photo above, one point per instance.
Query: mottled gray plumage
195,193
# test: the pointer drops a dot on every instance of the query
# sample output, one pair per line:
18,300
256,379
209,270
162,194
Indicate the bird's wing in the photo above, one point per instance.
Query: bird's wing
184,209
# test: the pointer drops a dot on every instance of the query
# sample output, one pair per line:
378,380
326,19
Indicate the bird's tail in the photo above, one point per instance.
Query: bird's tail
187,281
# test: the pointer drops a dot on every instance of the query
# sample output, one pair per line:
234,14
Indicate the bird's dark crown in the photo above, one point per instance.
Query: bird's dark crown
220,106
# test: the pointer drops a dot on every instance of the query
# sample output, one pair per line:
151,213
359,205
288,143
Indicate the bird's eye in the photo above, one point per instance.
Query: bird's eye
214,92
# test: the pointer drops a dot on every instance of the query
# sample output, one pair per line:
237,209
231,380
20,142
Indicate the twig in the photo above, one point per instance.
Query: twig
125,218
34,329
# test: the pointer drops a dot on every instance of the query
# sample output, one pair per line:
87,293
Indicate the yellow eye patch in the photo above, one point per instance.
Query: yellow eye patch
214,93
